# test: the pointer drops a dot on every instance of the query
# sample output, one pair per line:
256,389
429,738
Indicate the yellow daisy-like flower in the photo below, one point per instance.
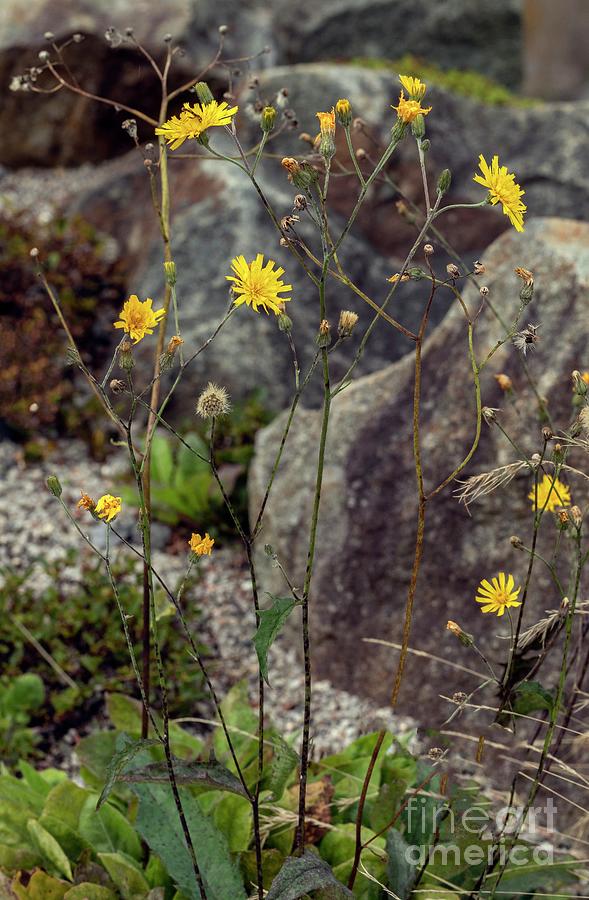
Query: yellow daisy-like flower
408,110
327,122
201,546
503,189
552,492
195,119
414,87
108,507
498,594
256,284
138,318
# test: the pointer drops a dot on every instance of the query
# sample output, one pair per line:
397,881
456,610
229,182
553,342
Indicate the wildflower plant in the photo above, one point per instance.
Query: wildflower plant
257,285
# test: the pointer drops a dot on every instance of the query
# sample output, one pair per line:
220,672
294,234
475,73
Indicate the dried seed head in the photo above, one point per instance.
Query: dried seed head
516,542
463,636
435,753
547,433
453,271
361,154
300,202
347,322
563,518
504,382
223,29
459,697
478,267
117,386
48,35
488,414
174,342
576,516
213,402
527,339
77,38
484,291
525,274
428,249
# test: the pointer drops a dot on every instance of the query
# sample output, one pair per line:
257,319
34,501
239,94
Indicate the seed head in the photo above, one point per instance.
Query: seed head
428,249
504,382
484,291
453,271
576,516
213,402
478,267
516,542
117,386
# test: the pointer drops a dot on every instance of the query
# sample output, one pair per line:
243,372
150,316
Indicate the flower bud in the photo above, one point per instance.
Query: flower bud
170,272
203,92
425,145
418,127
458,632
547,433
580,385
526,293
343,112
323,338
398,131
504,382
284,323
54,485
444,181
126,361
268,119
347,322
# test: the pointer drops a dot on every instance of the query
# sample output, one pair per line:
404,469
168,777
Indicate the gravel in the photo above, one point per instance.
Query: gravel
33,527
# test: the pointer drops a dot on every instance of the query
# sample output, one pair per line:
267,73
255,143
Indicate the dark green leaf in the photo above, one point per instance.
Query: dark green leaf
271,621
159,825
401,871
107,830
284,762
302,874
118,763
126,875
212,775
530,697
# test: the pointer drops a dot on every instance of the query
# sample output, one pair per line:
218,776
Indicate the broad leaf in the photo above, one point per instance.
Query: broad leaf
302,874
401,871
159,825
87,891
209,775
530,697
40,887
107,830
271,621
233,817
48,847
126,875
284,762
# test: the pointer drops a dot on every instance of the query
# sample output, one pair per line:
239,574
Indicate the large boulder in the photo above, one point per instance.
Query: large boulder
367,521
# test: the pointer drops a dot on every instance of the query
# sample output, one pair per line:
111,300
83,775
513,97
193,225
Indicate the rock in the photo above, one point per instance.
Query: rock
366,533
250,353
447,32
556,63
69,128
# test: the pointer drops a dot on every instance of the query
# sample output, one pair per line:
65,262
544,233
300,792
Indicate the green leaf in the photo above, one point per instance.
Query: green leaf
41,887
68,839
125,715
301,874
233,817
95,753
87,891
162,460
284,762
65,802
271,621
118,763
41,782
48,847
107,830
212,775
126,875
26,693
159,825
14,858
401,872
530,696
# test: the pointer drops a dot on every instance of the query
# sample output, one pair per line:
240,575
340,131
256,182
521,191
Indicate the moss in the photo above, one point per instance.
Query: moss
464,82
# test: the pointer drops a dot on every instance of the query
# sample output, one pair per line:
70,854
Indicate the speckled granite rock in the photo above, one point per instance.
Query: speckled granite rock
368,513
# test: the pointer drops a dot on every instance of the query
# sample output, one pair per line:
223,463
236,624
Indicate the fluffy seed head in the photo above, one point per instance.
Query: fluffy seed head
213,402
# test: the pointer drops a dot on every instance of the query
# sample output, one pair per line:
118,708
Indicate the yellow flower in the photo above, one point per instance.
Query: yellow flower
552,492
327,122
498,595
503,189
194,120
85,501
398,277
201,546
408,110
258,285
414,87
138,318
108,507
